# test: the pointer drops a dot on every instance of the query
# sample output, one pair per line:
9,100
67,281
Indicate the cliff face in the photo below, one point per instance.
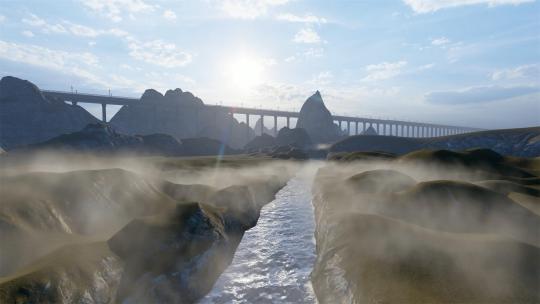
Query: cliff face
27,117
181,115
317,120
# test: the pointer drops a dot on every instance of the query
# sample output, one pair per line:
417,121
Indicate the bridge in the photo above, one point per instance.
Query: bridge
382,126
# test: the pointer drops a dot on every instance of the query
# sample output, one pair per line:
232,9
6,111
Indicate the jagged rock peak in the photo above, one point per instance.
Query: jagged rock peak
316,97
151,95
16,89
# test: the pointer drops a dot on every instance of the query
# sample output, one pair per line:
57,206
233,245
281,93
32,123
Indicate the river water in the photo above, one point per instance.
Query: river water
274,259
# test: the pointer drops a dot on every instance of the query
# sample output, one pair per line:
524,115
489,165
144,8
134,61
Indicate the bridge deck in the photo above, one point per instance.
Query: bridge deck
125,101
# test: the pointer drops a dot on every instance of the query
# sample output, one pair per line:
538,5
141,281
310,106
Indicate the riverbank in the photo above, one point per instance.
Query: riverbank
427,227
109,235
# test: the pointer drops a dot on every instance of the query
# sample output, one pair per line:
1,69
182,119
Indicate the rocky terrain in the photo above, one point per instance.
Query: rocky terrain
27,117
101,138
317,120
125,235
181,115
431,226
523,142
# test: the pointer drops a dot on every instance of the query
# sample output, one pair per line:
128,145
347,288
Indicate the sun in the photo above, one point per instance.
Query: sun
244,71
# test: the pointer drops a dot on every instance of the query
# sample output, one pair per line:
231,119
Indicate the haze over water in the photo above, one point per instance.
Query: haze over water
274,259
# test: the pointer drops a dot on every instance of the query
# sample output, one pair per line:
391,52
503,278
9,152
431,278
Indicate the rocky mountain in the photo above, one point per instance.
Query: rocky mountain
27,117
523,142
182,115
317,120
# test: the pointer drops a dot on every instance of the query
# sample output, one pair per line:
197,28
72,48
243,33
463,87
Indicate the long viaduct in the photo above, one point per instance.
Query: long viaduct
382,126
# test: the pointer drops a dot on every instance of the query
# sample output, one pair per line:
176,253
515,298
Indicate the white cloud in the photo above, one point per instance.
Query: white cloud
321,79
67,27
45,27
440,41
308,18
28,34
247,9
529,71
480,94
425,67
81,30
313,53
159,53
2,18
115,9
72,63
290,59
428,6
170,15
307,35
383,71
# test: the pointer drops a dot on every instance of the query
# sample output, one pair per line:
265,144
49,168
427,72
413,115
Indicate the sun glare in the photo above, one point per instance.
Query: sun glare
244,71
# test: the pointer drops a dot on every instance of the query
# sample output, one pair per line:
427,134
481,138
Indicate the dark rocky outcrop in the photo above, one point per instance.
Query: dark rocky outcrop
523,142
265,130
260,143
181,115
205,146
27,117
369,131
317,120
102,138
297,137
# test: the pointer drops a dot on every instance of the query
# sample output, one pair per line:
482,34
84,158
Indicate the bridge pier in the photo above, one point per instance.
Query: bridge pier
262,125
104,112
275,126
288,122
248,127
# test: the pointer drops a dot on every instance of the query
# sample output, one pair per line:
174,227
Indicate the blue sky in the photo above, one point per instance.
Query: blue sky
463,62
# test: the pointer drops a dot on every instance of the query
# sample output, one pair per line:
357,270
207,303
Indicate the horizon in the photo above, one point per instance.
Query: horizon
471,63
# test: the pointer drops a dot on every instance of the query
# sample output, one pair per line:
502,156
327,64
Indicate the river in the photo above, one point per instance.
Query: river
274,260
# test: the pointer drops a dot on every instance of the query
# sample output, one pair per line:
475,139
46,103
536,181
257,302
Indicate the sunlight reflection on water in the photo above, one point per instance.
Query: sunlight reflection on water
274,259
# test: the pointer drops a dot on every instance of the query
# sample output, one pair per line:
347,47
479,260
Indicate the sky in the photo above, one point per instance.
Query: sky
461,62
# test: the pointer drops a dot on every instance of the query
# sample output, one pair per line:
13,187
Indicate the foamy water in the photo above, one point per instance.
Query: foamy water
274,259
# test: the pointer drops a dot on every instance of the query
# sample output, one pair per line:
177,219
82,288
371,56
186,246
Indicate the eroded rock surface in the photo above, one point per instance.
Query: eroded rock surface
427,227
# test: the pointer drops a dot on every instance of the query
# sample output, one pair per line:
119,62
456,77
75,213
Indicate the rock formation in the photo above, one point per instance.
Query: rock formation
317,120
257,128
297,137
427,227
114,236
260,143
181,115
523,142
369,131
27,117
102,138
